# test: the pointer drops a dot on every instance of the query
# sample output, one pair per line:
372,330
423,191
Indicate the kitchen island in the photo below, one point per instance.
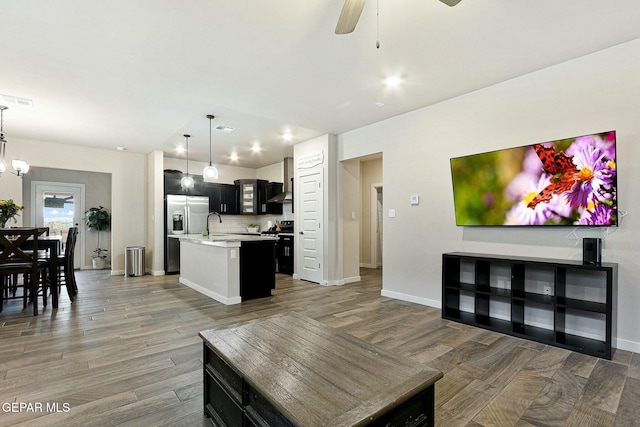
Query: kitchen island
229,268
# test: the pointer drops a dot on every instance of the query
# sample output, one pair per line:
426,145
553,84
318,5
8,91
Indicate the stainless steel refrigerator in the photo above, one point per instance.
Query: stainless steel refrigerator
184,215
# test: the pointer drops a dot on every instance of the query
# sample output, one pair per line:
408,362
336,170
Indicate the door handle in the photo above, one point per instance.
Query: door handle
302,232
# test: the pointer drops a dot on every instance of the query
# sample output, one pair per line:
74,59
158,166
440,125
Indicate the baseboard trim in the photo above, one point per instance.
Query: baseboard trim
341,282
411,298
216,296
627,345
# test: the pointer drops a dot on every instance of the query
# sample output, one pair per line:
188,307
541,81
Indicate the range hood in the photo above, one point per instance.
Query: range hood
287,195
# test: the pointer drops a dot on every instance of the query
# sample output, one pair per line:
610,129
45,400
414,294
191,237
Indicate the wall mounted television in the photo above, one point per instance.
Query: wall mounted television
568,182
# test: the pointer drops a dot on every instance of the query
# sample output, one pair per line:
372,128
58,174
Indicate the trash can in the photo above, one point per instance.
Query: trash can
134,261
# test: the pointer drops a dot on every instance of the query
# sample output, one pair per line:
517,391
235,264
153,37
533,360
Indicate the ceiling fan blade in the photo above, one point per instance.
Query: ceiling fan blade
451,2
349,16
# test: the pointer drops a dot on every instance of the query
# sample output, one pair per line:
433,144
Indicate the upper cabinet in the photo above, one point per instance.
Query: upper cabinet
273,189
253,196
247,196
172,184
223,198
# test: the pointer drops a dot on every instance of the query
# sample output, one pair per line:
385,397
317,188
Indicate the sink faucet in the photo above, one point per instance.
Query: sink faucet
213,213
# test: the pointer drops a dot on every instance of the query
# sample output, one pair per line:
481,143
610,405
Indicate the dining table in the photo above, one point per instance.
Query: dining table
53,245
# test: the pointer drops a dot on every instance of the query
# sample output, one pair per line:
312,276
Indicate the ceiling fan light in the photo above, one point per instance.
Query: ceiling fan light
210,172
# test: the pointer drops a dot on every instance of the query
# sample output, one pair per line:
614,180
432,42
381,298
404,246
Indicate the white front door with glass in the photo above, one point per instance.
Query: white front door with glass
59,206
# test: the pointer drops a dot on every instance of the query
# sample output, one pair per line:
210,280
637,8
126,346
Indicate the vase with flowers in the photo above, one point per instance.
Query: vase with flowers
8,210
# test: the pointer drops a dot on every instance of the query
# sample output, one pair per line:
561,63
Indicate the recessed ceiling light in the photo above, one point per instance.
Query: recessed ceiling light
119,148
392,81
234,157
256,148
180,149
287,136
380,104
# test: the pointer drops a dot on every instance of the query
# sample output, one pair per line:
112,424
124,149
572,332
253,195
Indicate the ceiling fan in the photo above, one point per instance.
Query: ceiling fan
353,8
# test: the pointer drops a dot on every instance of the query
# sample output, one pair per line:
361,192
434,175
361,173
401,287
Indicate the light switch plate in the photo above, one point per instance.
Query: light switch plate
415,200
392,213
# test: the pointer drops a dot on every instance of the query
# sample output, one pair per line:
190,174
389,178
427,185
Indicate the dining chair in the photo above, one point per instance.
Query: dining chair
15,260
65,265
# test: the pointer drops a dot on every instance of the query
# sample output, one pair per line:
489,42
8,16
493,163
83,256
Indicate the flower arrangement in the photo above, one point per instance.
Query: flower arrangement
8,210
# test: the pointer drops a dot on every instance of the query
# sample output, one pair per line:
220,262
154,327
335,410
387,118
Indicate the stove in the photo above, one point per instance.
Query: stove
284,246
286,228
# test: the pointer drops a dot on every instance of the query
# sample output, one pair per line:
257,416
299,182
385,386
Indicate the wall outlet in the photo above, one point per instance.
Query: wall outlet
547,290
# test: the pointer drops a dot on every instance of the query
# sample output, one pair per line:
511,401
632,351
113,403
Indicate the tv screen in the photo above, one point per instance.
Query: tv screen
568,182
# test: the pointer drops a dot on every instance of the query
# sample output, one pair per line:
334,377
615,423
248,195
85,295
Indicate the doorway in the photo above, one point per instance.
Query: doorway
59,206
376,225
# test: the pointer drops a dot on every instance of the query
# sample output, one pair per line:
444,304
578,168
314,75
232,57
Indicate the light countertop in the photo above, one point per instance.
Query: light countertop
224,240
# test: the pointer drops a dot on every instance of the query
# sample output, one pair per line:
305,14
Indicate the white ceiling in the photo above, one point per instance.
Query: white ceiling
141,73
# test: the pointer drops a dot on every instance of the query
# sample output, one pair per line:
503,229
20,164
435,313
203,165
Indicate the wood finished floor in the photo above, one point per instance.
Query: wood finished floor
127,353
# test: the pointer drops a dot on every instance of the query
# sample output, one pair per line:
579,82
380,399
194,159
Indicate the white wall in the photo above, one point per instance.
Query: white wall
128,185
351,216
595,93
371,173
155,213
272,173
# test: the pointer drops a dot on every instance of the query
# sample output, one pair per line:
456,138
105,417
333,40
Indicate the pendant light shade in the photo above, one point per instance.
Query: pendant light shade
20,167
210,171
187,181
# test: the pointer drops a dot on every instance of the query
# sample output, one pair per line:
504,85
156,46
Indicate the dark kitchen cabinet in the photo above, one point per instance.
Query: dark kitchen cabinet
250,196
253,196
272,190
284,254
223,198
172,184
257,269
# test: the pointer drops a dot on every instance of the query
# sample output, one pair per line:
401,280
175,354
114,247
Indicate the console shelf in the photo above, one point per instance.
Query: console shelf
563,303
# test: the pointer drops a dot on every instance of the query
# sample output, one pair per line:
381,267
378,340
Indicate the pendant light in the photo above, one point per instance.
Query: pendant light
187,181
210,171
19,166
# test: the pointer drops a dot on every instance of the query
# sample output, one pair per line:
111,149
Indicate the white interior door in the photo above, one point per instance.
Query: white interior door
59,206
310,238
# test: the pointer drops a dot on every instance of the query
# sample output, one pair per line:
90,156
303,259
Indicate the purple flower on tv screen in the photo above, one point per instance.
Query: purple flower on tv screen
574,186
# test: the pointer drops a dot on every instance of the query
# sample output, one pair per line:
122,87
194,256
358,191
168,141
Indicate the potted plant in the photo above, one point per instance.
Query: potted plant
98,219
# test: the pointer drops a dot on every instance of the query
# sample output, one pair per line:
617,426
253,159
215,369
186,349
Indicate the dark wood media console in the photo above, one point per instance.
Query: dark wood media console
565,303
294,371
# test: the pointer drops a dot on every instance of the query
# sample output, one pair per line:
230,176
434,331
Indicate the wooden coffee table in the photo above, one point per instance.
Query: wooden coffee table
294,371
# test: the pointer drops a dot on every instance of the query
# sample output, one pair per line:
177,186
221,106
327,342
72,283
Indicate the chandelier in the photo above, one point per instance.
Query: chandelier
19,166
